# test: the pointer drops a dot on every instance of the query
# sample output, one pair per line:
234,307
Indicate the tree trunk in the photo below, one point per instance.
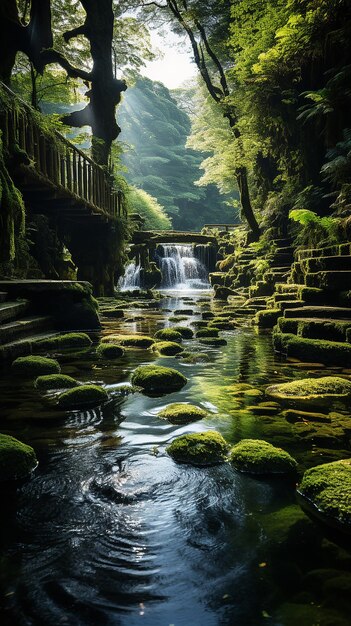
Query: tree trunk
246,208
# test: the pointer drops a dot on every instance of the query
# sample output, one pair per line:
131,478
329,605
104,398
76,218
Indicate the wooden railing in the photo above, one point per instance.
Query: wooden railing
58,160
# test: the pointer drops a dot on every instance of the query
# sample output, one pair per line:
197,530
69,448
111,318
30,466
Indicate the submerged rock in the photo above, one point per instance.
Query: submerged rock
182,413
167,348
155,379
169,334
206,448
256,456
82,397
55,381
327,488
213,341
109,351
33,366
194,357
312,390
132,341
208,332
17,460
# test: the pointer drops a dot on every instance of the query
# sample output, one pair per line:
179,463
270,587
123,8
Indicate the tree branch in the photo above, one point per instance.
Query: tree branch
53,56
69,34
214,58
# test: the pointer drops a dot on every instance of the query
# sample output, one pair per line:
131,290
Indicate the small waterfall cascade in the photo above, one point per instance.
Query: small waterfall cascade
131,278
181,269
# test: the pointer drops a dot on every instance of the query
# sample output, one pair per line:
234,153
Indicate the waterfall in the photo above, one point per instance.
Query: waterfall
131,278
181,269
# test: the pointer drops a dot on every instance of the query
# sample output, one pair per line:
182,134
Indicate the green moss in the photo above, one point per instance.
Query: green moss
17,459
169,334
178,318
155,379
222,325
267,318
33,366
67,341
213,341
199,324
310,389
109,351
83,396
55,381
182,413
207,315
133,341
195,357
183,312
328,488
207,332
255,456
319,350
167,348
185,331
205,448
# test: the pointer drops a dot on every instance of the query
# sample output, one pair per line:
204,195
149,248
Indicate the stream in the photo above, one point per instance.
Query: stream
110,531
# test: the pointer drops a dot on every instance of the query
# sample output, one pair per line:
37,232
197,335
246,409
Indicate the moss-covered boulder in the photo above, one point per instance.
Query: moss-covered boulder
131,341
185,331
326,491
109,351
17,459
182,413
183,312
82,397
267,318
312,390
158,380
255,456
213,341
68,341
33,366
169,334
55,381
167,348
194,357
206,448
208,332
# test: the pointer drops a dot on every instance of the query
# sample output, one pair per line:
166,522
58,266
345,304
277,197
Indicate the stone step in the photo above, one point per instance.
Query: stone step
287,288
283,305
3,296
316,328
277,260
329,263
24,327
333,280
22,347
288,295
12,310
341,249
321,312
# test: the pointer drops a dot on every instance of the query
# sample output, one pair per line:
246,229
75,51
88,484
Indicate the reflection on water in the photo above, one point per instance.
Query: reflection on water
111,531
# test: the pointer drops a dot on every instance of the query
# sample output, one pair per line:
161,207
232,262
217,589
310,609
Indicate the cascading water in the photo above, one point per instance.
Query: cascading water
181,269
131,278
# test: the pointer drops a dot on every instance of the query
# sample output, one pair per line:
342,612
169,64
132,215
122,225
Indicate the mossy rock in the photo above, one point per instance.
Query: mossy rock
55,381
158,380
183,312
109,351
326,490
320,350
17,460
185,331
222,325
169,334
194,357
167,348
199,324
206,448
255,456
65,342
207,315
213,341
182,413
33,366
178,318
132,341
207,332
82,397
267,318
312,390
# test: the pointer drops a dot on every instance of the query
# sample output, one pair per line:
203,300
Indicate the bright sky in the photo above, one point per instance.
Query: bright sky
176,66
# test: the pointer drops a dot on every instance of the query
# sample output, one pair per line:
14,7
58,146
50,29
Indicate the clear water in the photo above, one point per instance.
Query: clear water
110,531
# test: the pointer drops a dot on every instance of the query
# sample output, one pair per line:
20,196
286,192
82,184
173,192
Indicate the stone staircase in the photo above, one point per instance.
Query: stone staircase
312,308
19,330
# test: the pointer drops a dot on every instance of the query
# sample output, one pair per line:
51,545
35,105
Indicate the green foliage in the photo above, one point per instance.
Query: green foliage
145,205
317,231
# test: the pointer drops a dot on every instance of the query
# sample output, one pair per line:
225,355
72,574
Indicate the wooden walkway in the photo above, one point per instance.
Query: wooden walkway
52,173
